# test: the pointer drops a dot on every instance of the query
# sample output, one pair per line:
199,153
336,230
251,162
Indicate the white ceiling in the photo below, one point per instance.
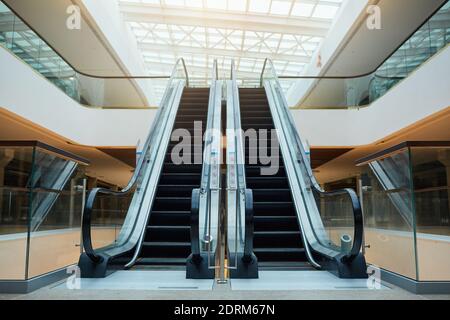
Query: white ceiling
248,31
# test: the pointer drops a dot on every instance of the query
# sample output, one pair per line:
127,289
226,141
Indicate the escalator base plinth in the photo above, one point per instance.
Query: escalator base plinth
244,270
199,269
90,269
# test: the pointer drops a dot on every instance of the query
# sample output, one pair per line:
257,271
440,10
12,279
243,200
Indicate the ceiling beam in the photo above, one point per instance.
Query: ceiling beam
143,13
180,50
158,68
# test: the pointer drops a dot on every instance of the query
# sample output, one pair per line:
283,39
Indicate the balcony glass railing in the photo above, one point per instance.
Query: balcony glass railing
406,210
41,199
359,91
108,92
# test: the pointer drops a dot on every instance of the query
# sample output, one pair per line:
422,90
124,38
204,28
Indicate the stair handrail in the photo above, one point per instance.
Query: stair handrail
87,213
240,174
205,183
301,157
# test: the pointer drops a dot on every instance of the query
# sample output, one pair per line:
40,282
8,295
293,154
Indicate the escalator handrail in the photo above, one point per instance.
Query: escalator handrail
205,185
241,178
301,156
249,226
87,213
195,225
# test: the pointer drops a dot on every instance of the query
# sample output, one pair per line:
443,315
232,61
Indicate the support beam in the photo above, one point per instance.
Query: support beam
182,50
143,13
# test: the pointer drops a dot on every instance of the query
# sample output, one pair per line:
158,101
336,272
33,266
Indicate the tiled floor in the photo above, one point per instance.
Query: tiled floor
172,285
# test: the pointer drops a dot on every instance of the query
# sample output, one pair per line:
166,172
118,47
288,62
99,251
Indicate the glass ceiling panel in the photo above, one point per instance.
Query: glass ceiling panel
287,31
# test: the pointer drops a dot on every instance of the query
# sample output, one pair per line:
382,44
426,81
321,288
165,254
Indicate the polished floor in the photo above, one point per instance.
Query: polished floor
172,285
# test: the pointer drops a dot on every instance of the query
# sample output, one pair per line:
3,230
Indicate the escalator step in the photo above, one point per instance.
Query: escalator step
166,249
267,182
175,190
258,126
185,168
280,254
191,159
168,233
162,261
273,239
172,204
256,171
269,208
276,223
272,195
182,178
254,119
171,218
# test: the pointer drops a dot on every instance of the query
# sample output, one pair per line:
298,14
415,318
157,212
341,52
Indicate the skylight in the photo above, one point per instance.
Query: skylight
287,31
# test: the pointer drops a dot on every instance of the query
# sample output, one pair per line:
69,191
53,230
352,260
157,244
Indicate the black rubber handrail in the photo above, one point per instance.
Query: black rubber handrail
356,205
249,226
87,218
195,219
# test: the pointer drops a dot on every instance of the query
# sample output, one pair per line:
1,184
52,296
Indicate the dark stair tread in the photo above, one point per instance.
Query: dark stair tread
171,212
159,227
278,250
161,261
166,244
259,233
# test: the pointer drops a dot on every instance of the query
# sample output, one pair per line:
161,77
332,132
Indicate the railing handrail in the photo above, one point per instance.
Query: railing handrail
240,156
301,156
86,224
205,175
239,177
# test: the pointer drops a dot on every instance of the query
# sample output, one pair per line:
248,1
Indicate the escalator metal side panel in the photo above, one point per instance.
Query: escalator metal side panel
132,232
307,232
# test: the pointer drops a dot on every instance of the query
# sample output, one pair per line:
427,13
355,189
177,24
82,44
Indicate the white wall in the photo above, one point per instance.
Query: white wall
422,94
29,95
347,18
105,14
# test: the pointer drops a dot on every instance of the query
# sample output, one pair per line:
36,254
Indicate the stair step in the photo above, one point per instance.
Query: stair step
280,254
256,171
191,159
155,233
253,119
182,168
172,204
174,190
195,112
172,218
258,126
272,195
276,223
161,261
285,265
269,208
181,178
267,182
165,249
251,112
272,239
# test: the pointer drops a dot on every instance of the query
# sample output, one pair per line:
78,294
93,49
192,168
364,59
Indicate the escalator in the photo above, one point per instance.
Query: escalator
277,240
290,221
157,229
167,236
